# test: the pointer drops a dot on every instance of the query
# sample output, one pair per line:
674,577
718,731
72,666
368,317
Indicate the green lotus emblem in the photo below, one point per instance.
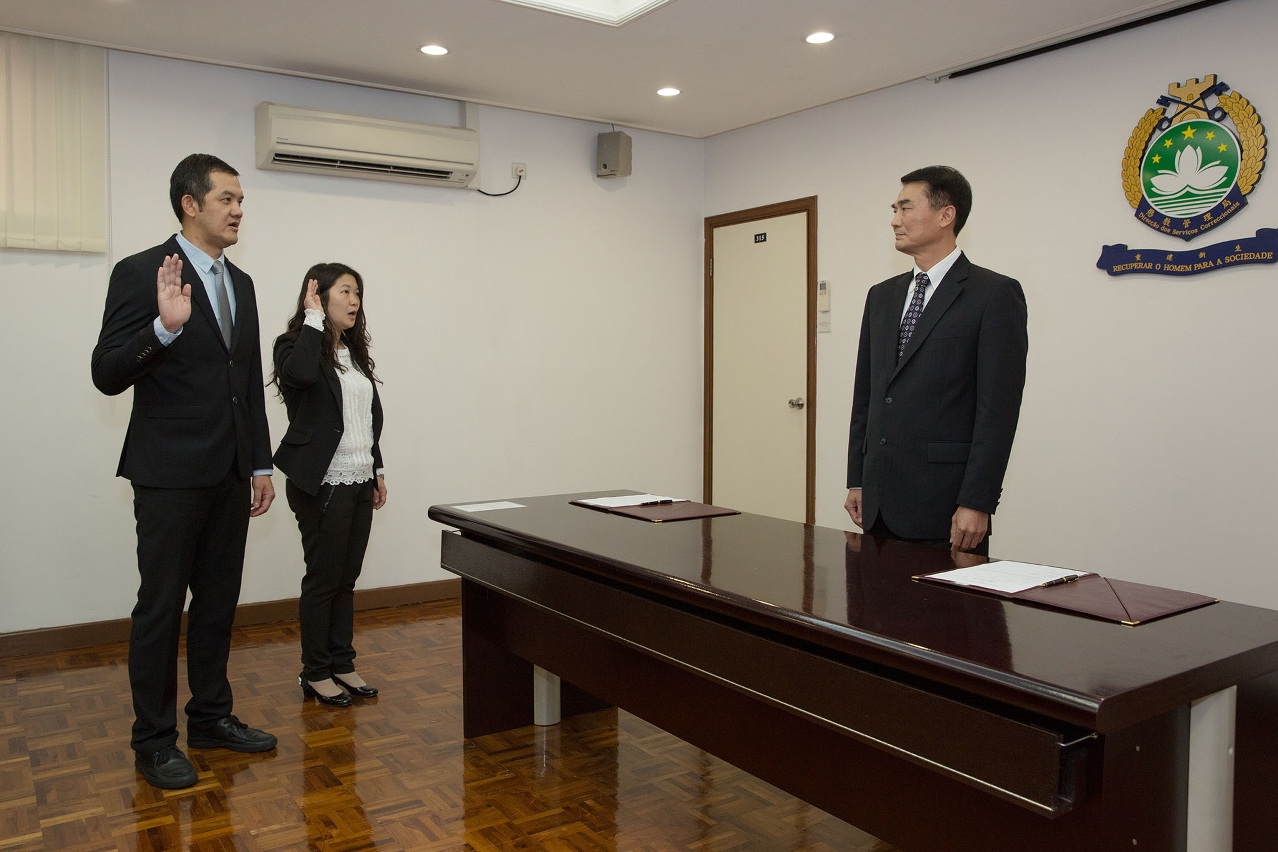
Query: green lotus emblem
1190,168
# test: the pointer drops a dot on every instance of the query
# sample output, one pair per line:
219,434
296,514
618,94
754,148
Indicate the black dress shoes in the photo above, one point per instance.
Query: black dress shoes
364,691
230,733
341,699
167,769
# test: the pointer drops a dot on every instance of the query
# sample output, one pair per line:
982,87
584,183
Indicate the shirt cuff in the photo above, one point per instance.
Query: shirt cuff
315,319
265,472
166,336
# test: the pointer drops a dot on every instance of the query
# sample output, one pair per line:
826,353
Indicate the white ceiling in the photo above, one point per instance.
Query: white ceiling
737,62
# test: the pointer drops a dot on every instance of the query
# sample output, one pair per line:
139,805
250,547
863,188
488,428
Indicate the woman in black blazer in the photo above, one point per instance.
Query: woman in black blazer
331,456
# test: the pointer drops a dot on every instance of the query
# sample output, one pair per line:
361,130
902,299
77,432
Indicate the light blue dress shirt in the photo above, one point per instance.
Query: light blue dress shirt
203,265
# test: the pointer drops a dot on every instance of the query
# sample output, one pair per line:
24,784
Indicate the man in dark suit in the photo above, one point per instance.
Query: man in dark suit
180,328
939,376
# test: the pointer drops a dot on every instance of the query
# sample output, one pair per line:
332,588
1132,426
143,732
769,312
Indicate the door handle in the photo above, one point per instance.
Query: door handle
797,402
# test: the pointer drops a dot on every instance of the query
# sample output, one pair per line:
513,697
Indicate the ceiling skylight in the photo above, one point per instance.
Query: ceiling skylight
614,13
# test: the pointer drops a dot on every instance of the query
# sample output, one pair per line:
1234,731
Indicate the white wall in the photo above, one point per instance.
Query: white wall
1146,447
518,337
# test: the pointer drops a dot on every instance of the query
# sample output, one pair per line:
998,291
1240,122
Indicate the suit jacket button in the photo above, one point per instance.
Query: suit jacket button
888,400
235,400
882,441
232,365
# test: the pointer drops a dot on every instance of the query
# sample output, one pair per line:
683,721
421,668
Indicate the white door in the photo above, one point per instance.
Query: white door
759,372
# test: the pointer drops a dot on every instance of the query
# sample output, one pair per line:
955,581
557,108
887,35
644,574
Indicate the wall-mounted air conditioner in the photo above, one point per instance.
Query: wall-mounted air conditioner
294,139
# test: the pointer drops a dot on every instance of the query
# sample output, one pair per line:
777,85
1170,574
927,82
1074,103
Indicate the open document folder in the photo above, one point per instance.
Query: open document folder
654,507
1071,591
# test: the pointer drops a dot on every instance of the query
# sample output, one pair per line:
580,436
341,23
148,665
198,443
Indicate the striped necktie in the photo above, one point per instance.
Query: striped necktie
912,313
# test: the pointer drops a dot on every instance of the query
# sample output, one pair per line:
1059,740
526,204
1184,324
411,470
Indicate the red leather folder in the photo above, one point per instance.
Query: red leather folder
1112,600
683,510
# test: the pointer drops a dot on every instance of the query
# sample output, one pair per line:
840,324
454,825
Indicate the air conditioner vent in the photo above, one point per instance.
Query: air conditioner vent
355,166
297,139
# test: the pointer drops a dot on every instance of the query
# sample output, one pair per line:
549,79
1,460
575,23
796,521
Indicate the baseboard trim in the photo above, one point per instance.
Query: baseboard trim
47,640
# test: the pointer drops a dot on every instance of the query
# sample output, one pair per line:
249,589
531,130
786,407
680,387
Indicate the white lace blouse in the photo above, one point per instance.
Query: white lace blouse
353,461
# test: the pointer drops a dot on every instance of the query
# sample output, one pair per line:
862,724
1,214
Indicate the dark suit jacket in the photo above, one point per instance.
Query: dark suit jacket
199,407
934,431
313,395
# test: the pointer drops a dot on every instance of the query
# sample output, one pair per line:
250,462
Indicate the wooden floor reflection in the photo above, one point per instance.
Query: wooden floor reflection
392,774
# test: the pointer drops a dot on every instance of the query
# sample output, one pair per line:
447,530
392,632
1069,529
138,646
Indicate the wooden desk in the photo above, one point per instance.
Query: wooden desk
931,717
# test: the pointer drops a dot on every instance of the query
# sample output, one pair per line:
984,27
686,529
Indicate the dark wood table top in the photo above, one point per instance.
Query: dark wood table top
855,595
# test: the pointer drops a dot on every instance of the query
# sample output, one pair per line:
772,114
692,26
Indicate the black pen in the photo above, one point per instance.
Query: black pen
1060,581
656,502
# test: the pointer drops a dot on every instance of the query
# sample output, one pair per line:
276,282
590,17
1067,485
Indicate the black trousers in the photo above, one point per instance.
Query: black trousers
335,526
188,538
880,528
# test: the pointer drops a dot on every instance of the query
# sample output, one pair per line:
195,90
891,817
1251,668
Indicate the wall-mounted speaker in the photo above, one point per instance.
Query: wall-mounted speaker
612,154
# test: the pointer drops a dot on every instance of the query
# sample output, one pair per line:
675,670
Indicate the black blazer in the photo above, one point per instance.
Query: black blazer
313,395
934,431
199,408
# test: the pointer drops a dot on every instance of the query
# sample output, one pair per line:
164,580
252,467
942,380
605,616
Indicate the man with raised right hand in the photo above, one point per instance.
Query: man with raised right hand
180,328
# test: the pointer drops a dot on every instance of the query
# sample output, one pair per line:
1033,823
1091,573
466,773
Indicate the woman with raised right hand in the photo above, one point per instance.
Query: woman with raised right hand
333,461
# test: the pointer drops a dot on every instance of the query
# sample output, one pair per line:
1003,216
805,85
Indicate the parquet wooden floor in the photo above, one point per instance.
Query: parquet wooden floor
389,774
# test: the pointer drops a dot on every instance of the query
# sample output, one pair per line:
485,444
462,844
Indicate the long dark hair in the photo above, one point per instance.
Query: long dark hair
356,338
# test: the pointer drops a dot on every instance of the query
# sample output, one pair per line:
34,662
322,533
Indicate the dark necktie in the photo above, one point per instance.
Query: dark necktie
912,313
223,302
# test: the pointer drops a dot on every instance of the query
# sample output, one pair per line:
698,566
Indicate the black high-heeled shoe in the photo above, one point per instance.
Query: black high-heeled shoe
308,691
364,691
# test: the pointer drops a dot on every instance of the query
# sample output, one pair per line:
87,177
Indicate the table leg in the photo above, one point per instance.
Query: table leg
545,697
1256,764
1211,772
497,686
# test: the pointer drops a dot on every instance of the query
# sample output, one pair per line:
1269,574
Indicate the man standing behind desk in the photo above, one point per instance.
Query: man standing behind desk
939,376
180,328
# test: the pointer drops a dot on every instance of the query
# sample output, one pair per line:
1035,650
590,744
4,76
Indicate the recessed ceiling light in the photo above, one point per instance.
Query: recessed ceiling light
819,38
434,50
668,92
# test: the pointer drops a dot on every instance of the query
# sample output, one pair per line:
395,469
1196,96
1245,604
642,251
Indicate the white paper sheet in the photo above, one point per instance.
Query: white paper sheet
630,500
488,507
1006,576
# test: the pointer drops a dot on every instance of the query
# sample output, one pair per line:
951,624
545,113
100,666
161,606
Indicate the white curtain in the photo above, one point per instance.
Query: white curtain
52,145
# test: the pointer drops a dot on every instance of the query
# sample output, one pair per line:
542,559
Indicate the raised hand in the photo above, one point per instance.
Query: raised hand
312,300
172,296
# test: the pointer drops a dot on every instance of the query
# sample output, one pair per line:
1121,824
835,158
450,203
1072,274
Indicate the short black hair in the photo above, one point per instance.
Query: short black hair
194,177
945,186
